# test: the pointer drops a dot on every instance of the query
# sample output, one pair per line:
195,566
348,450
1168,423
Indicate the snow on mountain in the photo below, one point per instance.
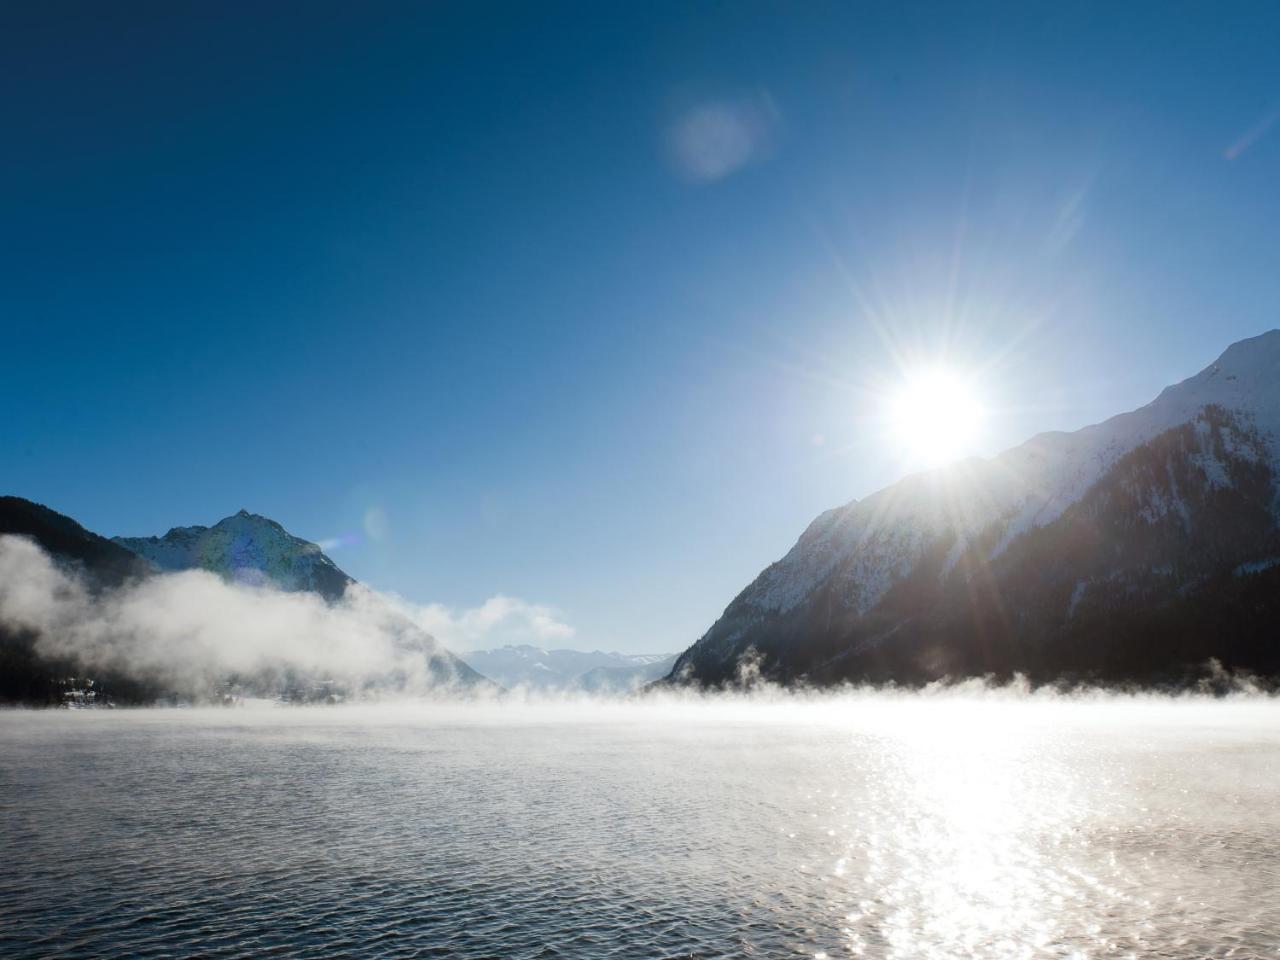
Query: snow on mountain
560,670
850,558
246,548
1021,489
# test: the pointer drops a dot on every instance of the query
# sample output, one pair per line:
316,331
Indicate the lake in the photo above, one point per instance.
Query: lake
974,824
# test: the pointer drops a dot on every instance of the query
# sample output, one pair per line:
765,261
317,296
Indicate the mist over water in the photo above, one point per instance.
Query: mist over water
190,630
959,823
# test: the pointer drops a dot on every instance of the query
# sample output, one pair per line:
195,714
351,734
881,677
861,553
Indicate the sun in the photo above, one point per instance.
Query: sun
935,415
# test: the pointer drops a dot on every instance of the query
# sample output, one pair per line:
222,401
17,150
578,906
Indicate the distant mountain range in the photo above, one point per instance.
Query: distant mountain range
563,670
1132,550
244,548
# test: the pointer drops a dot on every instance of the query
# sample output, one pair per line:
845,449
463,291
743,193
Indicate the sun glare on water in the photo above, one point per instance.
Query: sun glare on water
935,415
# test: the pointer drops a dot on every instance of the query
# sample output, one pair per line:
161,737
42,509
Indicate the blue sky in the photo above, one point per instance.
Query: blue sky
593,305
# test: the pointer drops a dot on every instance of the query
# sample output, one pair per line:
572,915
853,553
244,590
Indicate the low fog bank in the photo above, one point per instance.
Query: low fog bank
940,712
194,637
764,702
192,634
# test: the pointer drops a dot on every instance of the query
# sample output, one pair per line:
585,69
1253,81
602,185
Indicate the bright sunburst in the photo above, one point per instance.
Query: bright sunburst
935,414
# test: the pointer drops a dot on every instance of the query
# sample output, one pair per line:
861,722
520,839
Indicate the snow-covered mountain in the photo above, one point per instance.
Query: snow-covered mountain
1069,553
589,671
247,548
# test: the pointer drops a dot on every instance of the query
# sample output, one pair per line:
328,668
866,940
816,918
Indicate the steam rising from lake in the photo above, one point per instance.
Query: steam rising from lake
191,630
188,629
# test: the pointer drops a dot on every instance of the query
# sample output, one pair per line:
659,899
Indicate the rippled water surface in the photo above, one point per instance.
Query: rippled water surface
871,826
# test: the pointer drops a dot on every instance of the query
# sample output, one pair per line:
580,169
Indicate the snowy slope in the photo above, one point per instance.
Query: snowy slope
247,548
850,558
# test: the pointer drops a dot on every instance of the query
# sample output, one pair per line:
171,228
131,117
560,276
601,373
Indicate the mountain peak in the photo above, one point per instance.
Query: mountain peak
247,548
242,515
1254,362
1264,344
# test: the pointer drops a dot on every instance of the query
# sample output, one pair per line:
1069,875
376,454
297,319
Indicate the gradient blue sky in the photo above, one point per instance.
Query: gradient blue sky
591,305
